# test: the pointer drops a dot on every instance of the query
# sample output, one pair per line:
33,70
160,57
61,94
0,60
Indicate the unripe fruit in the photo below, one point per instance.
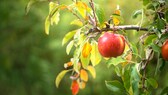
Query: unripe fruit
111,45
165,50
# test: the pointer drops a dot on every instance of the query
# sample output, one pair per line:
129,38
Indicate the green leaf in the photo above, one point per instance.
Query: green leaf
75,60
60,76
85,61
95,55
115,61
77,22
135,79
149,40
152,82
166,15
164,37
47,25
136,13
68,36
100,13
30,3
116,87
134,48
126,79
160,24
145,2
156,48
164,91
69,47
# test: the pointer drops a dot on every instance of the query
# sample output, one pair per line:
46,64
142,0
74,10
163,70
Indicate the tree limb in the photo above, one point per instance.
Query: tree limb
125,27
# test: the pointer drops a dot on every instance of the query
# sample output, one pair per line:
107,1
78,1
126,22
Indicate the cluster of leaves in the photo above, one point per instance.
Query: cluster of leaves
91,22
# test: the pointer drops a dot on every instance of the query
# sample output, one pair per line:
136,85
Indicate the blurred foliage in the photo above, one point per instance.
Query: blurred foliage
30,60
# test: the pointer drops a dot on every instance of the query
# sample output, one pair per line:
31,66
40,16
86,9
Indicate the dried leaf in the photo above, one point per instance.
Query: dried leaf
83,75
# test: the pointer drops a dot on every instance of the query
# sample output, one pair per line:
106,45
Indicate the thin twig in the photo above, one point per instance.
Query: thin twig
125,27
94,14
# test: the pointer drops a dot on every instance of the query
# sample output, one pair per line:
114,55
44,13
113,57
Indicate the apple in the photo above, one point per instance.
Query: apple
165,50
111,44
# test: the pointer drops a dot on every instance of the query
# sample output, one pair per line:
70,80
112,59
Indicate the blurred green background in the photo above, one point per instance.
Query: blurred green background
30,59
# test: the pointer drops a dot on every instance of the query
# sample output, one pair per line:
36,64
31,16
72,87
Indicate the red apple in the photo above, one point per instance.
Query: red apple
165,50
111,45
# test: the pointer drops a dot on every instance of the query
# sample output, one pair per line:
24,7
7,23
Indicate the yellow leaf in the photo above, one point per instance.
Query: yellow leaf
60,76
82,85
83,75
91,69
86,49
95,55
52,5
116,21
77,22
118,12
82,8
47,25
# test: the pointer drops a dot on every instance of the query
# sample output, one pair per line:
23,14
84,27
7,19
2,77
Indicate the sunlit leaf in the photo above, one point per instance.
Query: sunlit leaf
116,87
117,11
52,5
100,13
60,76
77,22
95,55
152,82
91,69
69,47
75,87
85,61
55,18
82,85
116,21
75,60
82,8
83,75
86,50
137,13
115,61
47,25
68,36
